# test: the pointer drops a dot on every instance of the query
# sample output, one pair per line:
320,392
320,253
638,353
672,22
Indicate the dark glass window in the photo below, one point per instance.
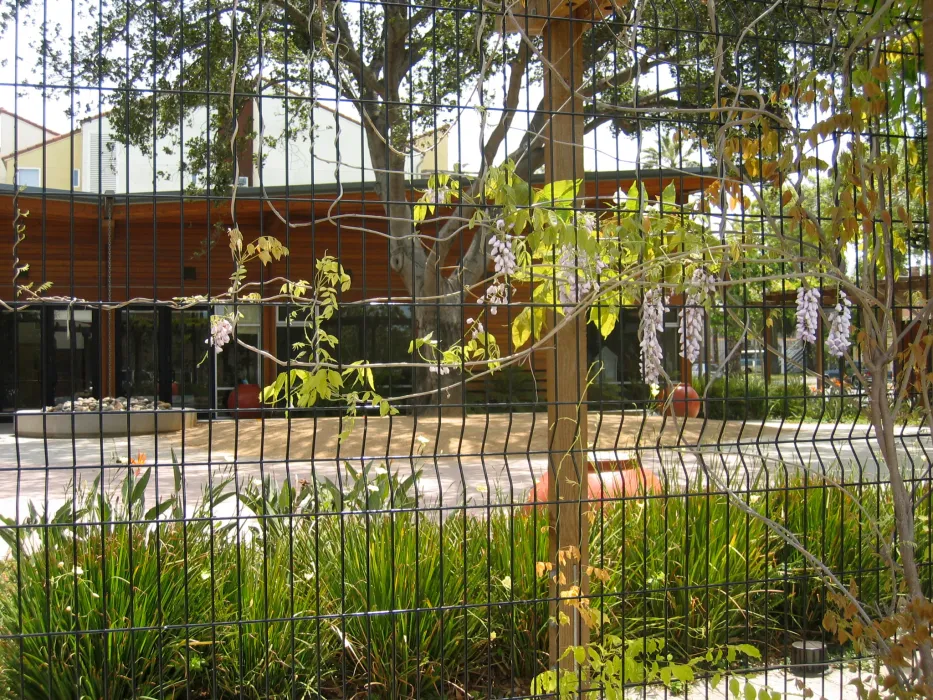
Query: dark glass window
375,332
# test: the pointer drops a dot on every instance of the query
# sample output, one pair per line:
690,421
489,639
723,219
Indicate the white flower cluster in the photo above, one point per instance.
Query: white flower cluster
442,369
578,273
436,196
221,331
653,308
838,339
477,330
691,316
496,295
808,313
588,222
502,253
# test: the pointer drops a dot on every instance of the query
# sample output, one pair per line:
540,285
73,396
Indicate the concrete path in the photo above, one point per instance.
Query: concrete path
478,463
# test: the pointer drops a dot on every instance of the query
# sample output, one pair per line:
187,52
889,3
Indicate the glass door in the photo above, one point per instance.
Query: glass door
237,365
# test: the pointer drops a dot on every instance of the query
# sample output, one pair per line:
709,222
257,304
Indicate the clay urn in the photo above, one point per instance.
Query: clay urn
608,481
245,397
684,403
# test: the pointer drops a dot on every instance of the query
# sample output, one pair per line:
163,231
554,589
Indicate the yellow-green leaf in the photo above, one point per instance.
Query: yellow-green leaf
521,328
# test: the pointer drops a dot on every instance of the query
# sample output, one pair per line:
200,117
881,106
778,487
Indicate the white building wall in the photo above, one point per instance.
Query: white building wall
110,165
332,146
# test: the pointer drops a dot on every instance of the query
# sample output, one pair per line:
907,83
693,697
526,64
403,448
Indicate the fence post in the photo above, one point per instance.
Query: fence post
566,357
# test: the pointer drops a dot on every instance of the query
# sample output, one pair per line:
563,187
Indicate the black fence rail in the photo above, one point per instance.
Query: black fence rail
397,350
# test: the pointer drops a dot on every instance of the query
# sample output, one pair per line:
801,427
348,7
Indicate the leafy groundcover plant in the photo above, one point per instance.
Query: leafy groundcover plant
322,593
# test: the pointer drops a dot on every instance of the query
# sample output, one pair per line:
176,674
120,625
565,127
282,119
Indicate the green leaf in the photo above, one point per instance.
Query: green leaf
750,693
683,673
559,195
176,472
669,195
715,680
749,650
140,488
521,328
734,688
631,203
157,510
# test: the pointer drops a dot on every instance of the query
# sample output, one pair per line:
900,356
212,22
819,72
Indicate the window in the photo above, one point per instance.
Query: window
380,332
29,177
76,178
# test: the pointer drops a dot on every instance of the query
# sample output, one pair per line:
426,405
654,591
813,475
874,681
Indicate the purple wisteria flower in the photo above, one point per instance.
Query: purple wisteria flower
221,333
476,328
808,313
653,308
578,276
502,254
496,295
837,341
691,316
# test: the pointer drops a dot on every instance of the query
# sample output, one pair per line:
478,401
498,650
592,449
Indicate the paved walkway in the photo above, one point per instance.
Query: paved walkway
477,463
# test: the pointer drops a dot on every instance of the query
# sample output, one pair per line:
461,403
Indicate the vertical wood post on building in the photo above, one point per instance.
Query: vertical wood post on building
566,357
768,336
107,317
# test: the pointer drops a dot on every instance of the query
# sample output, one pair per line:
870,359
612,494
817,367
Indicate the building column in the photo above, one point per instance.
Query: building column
164,349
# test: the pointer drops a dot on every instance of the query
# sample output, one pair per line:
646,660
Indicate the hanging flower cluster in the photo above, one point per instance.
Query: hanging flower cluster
577,277
502,254
442,369
476,328
221,332
496,295
840,321
691,316
653,308
808,313
436,195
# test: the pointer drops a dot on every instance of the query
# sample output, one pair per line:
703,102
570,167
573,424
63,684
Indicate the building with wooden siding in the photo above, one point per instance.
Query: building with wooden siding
114,249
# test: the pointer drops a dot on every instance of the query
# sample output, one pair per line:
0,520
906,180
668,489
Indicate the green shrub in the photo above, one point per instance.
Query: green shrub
314,596
787,397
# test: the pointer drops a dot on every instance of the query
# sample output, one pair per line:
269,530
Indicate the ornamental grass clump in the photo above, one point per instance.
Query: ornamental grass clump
318,592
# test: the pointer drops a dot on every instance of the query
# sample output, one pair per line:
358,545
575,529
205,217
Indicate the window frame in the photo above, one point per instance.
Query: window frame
38,172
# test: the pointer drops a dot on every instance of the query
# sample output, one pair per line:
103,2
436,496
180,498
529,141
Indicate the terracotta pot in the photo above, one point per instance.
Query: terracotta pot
245,396
607,481
685,402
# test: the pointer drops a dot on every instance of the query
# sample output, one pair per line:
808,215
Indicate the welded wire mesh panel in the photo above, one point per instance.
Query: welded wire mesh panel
459,350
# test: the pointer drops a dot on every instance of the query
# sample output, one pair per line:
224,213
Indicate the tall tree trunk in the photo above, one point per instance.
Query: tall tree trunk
885,425
440,315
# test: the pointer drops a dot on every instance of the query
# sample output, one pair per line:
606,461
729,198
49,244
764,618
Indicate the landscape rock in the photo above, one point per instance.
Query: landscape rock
109,403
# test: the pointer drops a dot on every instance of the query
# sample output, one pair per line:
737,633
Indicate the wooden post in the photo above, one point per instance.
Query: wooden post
107,323
566,359
769,341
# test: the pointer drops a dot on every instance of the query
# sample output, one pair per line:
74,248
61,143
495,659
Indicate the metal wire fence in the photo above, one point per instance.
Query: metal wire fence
444,349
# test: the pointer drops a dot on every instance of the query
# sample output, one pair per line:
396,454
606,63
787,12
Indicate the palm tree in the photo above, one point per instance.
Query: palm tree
673,151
